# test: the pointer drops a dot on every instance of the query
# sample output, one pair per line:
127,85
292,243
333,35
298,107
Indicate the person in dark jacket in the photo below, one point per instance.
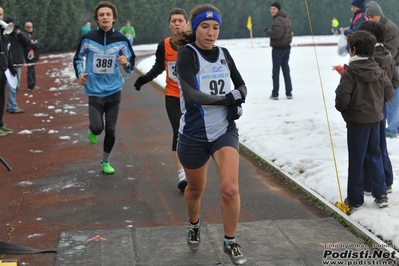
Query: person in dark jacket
363,90
359,16
31,55
383,57
17,52
391,43
280,35
5,63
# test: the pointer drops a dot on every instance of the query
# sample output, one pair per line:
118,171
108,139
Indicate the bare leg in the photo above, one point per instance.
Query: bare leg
178,164
196,186
227,159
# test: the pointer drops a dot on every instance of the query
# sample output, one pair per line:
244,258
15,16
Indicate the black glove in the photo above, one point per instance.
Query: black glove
235,97
234,112
141,81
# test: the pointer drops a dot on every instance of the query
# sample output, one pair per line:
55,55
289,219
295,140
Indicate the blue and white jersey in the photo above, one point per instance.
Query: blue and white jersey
100,50
206,123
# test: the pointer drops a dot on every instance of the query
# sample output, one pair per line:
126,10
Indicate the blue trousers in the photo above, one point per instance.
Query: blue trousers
280,59
364,157
385,157
12,92
393,115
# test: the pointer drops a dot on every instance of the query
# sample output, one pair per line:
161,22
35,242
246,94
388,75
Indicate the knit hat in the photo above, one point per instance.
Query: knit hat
276,5
373,9
358,3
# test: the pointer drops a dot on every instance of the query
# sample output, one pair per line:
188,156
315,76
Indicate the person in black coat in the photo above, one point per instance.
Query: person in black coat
31,55
16,40
5,63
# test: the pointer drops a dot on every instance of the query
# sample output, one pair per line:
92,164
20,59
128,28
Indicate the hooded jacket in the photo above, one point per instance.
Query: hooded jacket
391,40
281,31
363,90
384,59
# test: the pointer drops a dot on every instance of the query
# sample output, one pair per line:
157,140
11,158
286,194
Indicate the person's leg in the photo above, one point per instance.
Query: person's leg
374,163
2,96
111,109
393,115
226,160
31,77
173,110
356,142
384,152
11,102
19,71
286,72
195,189
96,112
277,58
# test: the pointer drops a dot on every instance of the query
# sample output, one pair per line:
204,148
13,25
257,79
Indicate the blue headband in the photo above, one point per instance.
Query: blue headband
205,15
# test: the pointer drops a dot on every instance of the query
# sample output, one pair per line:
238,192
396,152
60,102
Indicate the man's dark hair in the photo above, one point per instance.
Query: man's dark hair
105,4
376,28
362,43
178,11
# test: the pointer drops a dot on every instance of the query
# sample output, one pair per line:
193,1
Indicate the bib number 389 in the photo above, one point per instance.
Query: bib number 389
103,64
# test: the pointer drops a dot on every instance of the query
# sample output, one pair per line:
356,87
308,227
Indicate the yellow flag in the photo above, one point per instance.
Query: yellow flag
249,23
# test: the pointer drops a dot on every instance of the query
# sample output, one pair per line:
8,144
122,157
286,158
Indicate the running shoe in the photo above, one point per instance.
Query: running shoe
181,181
389,189
92,138
193,238
107,168
6,129
382,201
233,250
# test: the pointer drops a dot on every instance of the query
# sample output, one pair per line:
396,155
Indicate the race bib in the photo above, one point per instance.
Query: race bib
172,71
104,64
217,83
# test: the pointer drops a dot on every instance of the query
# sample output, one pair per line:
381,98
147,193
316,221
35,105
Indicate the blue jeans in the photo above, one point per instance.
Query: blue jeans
393,115
280,59
12,92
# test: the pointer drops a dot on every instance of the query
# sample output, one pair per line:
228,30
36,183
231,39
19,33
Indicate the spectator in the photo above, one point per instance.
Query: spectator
391,43
359,16
363,90
17,49
31,56
129,32
383,57
5,62
86,28
334,26
280,35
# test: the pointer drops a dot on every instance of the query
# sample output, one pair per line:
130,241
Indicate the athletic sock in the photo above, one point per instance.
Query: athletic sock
106,156
198,223
227,239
